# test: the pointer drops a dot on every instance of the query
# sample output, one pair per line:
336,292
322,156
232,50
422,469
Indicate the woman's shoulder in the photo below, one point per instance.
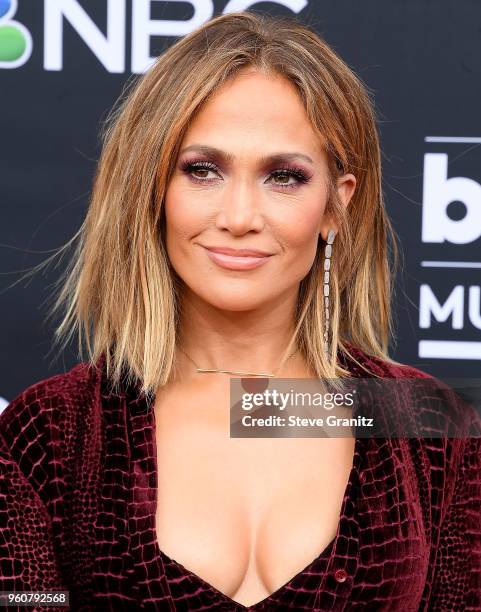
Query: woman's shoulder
362,363
448,421
435,404
60,392
44,426
446,452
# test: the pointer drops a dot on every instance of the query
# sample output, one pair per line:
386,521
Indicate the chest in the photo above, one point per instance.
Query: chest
244,514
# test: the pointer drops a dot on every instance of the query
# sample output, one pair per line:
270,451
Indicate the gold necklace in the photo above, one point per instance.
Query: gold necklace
240,372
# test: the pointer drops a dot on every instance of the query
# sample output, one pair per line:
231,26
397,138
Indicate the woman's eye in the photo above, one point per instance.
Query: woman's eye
283,178
289,178
201,172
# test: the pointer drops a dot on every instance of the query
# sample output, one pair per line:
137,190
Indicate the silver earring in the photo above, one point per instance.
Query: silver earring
327,268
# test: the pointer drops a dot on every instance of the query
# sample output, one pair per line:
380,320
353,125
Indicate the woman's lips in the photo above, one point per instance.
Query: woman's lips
236,262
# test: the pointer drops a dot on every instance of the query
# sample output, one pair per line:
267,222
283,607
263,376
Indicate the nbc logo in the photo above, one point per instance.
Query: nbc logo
15,39
110,46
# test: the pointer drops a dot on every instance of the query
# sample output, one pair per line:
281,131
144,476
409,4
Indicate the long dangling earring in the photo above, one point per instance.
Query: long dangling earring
327,268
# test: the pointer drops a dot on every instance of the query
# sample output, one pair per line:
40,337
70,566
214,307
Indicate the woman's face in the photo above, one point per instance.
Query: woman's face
251,174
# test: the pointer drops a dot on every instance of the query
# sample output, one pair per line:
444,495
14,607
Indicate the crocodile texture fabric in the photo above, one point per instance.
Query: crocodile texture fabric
78,498
190,592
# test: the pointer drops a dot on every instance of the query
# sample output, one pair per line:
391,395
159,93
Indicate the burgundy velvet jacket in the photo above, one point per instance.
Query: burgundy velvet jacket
78,499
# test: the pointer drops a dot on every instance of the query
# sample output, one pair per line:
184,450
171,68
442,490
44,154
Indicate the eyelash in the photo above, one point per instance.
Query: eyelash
188,166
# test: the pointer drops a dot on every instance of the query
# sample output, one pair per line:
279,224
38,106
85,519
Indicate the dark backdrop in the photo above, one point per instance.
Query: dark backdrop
420,58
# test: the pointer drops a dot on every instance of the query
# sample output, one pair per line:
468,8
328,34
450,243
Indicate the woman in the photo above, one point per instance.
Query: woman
239,178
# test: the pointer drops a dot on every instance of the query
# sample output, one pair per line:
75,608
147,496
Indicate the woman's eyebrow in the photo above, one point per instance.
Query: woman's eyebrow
228,157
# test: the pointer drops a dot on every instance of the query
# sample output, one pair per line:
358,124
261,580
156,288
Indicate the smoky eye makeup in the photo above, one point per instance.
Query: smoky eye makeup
279,172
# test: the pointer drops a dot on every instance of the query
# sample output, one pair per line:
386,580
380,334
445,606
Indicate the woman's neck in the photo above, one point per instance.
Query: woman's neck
254,340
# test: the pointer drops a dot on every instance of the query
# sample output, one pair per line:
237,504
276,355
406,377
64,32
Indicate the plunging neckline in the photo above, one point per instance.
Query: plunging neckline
329,550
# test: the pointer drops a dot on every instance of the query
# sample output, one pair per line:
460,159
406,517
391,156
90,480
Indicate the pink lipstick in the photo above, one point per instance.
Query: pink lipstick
238,259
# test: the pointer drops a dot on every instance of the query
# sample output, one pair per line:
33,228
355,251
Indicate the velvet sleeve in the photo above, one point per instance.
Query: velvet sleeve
457,568
28,560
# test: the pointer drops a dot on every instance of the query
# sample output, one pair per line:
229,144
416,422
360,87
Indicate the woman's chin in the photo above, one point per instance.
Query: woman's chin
233,302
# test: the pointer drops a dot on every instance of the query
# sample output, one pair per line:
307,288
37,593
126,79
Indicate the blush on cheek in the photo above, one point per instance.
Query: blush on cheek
302,233
181,225
185,213
301,222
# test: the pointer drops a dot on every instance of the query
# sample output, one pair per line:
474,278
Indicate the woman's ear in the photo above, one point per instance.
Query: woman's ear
346,185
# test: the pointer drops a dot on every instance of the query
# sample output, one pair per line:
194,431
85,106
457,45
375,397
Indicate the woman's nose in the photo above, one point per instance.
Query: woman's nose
240,207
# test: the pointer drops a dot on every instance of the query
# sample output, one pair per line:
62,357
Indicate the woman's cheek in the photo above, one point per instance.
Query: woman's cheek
301,236
183,220
302,231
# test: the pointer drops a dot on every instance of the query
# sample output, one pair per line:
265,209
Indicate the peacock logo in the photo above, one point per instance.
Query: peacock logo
15,40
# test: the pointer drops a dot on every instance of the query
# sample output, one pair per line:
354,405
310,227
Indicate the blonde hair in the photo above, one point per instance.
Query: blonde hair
120,292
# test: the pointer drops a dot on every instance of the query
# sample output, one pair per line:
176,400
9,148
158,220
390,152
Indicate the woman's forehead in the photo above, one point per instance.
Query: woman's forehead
259,109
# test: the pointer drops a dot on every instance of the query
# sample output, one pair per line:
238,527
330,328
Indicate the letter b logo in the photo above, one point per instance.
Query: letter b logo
438,192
